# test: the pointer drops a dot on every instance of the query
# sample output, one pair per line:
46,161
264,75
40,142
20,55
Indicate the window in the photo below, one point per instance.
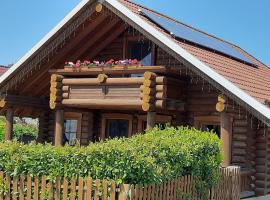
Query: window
215,128
161,121
117,128
141,51
72,127
71,130
208,123
116,125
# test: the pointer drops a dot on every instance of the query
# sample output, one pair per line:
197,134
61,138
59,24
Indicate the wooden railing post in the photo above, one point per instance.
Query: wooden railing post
9,124
59,125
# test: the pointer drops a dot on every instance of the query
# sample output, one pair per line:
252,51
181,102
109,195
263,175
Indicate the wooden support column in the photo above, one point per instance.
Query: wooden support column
151,120
226,137
9,124
59,126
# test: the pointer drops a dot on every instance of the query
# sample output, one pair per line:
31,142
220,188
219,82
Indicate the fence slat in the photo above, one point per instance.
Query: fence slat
2,181
112,193
22,178
105,189
65,188
88,193
15,188
36,188
43,187
58,188
50,190
29,188
73,188
80,189
8,183
97,185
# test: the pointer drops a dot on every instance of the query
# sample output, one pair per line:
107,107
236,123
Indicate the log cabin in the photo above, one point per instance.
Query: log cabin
184,77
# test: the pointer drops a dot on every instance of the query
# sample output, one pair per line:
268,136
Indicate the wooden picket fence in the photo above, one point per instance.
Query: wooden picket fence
27,187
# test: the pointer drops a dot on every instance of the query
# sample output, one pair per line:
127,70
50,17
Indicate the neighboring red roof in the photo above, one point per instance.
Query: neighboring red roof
253,80
3,69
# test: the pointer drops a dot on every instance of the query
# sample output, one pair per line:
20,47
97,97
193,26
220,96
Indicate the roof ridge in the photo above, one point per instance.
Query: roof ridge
180,22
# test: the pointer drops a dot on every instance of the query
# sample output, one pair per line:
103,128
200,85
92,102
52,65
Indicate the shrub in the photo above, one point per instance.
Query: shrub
153,157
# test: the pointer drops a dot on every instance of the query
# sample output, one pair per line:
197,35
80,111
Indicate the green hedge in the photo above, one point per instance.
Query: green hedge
153,157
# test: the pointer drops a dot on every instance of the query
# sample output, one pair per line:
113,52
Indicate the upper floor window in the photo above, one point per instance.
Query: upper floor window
140,50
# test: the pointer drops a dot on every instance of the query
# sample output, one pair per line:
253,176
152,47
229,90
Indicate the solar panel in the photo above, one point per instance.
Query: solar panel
186,33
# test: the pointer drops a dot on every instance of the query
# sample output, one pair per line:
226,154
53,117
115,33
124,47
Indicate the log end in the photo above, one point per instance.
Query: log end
102,78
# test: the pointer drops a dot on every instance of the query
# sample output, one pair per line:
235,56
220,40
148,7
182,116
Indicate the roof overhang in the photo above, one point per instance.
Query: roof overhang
258,109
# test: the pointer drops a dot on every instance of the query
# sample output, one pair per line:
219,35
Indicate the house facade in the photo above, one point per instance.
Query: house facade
183,77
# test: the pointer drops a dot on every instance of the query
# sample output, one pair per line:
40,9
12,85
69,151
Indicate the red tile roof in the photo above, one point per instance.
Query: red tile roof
253,80
3,69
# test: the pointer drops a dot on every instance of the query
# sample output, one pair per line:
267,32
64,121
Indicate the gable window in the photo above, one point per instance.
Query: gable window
116,125
140,50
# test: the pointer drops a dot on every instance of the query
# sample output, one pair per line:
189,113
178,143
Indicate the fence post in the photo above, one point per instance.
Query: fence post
234,172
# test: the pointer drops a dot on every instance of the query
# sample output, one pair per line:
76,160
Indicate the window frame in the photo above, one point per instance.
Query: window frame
206,120
78,117
115,116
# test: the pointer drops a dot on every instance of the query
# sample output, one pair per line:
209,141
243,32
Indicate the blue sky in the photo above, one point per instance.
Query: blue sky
245,23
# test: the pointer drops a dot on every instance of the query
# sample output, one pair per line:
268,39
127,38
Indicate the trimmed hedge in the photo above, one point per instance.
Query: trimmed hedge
153,157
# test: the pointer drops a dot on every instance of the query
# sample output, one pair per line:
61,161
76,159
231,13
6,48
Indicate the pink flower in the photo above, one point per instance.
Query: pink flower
78,63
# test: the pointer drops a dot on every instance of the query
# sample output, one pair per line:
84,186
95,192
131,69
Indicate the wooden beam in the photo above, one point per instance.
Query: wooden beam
23,101
9,124
112,71
59,127
226,137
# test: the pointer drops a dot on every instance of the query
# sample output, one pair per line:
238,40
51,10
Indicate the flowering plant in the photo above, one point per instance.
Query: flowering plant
109,63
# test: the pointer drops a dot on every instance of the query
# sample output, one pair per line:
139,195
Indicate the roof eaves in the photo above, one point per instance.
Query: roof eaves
258,109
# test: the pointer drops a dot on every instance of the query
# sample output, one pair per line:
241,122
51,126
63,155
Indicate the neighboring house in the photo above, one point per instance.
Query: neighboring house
202,81
3,69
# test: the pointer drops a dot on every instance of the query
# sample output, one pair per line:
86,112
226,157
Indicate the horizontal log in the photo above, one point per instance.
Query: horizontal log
23,101
159,95
65,88
109,81
239,144
239,151
108,103
111,70
65,95
239,137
